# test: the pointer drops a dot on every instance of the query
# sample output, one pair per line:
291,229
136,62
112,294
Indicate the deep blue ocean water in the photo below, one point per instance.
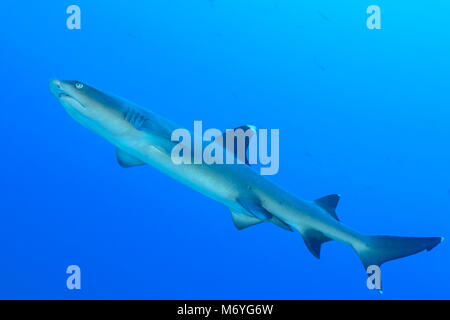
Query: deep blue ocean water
364,113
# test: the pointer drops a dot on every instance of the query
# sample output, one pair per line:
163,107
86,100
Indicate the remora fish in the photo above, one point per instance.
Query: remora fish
142,137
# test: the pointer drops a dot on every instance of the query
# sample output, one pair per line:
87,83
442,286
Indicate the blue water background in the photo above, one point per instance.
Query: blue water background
364,113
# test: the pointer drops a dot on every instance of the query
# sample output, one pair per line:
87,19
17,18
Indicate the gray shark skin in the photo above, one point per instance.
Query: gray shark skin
142,137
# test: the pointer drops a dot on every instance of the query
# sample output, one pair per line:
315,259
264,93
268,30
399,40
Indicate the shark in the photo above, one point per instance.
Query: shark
142,137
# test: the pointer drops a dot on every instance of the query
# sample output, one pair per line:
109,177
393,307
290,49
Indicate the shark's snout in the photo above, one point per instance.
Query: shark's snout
63,91
55,87
58,89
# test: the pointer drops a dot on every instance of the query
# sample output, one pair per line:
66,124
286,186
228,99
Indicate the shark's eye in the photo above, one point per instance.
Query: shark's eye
79,85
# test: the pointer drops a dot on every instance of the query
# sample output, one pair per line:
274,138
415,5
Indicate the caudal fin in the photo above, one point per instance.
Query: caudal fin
376,250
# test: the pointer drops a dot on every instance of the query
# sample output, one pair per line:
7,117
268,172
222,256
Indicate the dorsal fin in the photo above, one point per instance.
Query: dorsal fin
329,203
249,131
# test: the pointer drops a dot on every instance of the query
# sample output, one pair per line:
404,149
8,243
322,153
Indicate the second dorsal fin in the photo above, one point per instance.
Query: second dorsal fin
329,203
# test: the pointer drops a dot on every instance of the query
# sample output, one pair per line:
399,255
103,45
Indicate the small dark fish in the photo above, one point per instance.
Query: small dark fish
323,16
319,65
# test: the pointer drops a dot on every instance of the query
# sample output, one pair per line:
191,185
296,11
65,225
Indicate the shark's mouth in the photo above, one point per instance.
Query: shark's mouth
71,101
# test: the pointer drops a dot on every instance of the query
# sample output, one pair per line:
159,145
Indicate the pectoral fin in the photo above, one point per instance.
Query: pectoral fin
126,160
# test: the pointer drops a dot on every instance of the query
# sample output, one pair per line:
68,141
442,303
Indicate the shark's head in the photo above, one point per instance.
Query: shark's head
92,108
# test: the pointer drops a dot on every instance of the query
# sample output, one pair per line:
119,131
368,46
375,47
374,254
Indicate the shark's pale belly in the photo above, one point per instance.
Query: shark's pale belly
227,183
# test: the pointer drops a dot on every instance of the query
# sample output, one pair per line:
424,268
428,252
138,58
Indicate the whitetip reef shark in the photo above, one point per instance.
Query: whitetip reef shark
142,137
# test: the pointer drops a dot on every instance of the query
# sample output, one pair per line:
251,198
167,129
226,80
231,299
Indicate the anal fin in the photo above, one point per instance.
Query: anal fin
313,240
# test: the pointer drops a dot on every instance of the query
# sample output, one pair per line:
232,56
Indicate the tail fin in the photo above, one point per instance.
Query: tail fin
376,250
